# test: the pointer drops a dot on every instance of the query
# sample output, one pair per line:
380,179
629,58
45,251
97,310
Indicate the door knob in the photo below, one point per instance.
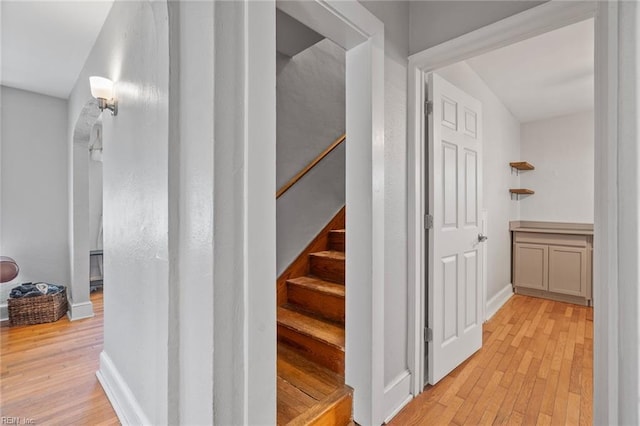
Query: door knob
482,238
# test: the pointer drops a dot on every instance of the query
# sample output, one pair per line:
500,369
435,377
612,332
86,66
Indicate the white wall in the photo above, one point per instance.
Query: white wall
395,16
132,49
501,140
561,149
434,22
33,187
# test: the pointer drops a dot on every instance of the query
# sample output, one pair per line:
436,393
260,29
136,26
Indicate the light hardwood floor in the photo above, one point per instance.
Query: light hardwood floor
48,372
535,368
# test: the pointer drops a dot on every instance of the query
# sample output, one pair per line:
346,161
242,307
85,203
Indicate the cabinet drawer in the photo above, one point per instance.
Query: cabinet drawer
551,239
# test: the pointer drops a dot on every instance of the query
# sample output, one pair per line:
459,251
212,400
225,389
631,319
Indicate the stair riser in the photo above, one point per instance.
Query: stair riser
336,241
327,268
326,355
324,305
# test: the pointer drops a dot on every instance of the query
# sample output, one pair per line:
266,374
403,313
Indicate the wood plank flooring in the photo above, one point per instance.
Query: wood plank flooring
535,368
48,372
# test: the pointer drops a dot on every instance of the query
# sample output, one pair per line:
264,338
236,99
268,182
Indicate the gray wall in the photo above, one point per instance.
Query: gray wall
310,110
132,49
434,22
310,115
33,187
308,206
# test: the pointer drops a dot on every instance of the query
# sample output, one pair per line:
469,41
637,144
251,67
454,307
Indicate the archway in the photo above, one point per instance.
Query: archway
79,304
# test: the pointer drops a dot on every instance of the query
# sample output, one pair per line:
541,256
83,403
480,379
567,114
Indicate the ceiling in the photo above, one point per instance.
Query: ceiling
44,44
545,76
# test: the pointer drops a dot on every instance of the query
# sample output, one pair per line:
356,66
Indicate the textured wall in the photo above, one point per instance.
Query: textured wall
33,187
561,149
310,95
310,105
132,49
308,206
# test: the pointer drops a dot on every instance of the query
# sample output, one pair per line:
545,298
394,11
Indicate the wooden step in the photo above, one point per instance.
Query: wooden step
335,410
320,297
309,394
337,240
320,341
328,265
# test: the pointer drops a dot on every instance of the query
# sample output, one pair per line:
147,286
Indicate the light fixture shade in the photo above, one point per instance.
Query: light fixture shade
101,88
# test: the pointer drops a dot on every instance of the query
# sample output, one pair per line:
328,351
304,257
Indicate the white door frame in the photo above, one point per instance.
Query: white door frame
538,20
356,29
361,34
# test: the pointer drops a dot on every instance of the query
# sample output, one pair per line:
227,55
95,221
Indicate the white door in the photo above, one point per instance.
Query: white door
454,294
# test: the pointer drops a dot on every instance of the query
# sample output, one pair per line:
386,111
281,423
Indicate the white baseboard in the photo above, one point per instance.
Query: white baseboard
497,301
397,395
78,311
4,312
124,403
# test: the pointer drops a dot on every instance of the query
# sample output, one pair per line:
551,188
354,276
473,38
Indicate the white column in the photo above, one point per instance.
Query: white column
629,212
244,271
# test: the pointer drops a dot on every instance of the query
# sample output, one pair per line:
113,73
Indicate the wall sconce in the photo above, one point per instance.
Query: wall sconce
102,90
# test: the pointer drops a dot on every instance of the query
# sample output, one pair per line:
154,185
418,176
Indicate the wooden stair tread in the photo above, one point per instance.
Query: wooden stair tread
329,254
311,335
319,285
323,331
291,401
335,410
308,376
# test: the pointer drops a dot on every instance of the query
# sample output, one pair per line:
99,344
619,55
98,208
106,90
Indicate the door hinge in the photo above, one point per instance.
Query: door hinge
428,334
428,107
428,221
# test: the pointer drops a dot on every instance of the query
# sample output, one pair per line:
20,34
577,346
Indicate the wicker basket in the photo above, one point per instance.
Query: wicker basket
38,309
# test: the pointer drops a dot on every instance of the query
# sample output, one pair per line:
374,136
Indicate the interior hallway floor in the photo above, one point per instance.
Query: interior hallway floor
535,368
48,372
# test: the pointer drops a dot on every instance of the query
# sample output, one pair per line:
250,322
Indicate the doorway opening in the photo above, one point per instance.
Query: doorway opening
354,29
310,225
96,254
439,60
535,127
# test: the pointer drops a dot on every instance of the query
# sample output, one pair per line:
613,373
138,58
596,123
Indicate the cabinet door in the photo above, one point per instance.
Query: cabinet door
568,270
531,266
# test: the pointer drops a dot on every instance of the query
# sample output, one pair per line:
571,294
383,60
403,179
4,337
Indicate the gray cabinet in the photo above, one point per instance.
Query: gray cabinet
549,263
532,265
568,270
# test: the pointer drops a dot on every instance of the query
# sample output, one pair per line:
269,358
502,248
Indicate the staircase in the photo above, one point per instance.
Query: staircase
311,335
